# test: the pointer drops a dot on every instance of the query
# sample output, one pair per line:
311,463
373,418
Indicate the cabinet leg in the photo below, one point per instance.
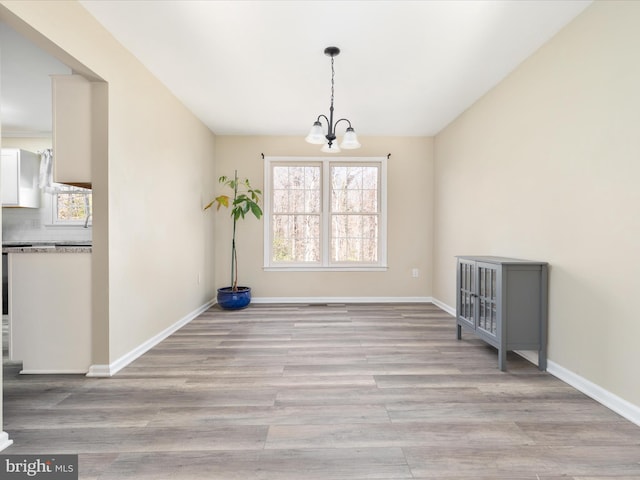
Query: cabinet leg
502,359
542,360
459,335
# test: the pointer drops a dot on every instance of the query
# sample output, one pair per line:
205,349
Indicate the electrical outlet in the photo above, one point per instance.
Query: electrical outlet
415,273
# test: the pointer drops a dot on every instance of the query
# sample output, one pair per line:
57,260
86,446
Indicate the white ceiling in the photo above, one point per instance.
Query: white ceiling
258,68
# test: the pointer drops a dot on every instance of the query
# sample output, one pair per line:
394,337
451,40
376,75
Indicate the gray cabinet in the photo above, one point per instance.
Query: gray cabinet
503,301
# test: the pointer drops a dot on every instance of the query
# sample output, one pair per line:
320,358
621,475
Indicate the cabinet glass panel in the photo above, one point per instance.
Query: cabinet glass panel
487,293
494,298
467,285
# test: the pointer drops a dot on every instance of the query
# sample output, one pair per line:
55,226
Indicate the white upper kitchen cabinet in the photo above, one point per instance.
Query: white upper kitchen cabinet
72,123
20,171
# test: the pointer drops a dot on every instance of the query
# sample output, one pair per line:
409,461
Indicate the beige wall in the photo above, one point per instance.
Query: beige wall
152,242
410,207
546,167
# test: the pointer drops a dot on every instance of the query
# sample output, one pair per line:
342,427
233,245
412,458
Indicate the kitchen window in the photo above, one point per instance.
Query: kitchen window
325,214
71,206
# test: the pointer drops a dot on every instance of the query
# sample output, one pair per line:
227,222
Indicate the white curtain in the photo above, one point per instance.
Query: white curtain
45,181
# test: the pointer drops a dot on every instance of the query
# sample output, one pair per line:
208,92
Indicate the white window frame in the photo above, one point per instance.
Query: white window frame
53,219
325,263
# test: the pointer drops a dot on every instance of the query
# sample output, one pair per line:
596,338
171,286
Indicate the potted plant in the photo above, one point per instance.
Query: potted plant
244,201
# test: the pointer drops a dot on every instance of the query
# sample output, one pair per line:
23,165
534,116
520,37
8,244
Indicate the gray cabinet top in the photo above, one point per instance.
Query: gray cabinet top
499,260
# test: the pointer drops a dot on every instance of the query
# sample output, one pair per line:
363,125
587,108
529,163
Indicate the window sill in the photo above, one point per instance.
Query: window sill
299,268
67,225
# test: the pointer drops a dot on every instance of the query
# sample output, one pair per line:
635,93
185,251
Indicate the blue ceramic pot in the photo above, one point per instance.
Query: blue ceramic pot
234,300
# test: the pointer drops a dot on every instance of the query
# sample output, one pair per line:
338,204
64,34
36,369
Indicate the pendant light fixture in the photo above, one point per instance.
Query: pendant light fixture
317,136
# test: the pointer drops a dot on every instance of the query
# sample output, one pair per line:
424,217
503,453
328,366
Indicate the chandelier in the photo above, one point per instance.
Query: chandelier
317,136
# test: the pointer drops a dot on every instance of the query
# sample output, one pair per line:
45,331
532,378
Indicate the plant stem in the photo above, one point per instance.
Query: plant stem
234,257
235,279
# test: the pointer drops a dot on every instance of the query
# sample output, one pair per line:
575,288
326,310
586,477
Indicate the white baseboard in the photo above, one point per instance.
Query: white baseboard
52,372
341,300
619,405
5,441
99,371
450,310
102,370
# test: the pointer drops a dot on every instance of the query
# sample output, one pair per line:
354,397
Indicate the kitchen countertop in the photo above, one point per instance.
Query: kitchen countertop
47,247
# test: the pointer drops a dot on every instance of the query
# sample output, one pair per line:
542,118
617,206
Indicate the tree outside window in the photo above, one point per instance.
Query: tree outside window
72,205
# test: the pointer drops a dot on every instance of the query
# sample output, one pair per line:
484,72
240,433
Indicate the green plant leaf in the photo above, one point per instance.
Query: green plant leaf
256,210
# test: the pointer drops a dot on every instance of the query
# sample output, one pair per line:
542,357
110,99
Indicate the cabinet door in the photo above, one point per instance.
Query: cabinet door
9,176
487,318
467,292
71,129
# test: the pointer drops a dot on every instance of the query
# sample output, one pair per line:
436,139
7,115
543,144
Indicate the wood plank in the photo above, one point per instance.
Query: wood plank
335,392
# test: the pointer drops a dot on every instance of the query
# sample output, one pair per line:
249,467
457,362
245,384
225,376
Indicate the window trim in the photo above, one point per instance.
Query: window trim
325,264
52,198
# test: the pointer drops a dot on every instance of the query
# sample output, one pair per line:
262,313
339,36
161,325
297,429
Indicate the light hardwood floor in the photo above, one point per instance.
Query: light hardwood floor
321,392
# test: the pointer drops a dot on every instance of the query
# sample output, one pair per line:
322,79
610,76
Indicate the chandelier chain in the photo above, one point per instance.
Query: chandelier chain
333,74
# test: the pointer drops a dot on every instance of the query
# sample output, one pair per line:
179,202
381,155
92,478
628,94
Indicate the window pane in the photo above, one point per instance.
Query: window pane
296,189
280,178
312,178
354,189
339,247
296,201
354,193
354,201
280,201
370,226
369,200
354,238
338,178
296,238
73,206
349,177
312,201
354,250
354,224
370,250
370,178
338,200
339,226
296,207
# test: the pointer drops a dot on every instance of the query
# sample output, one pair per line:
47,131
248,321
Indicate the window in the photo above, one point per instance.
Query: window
71,205
325,214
